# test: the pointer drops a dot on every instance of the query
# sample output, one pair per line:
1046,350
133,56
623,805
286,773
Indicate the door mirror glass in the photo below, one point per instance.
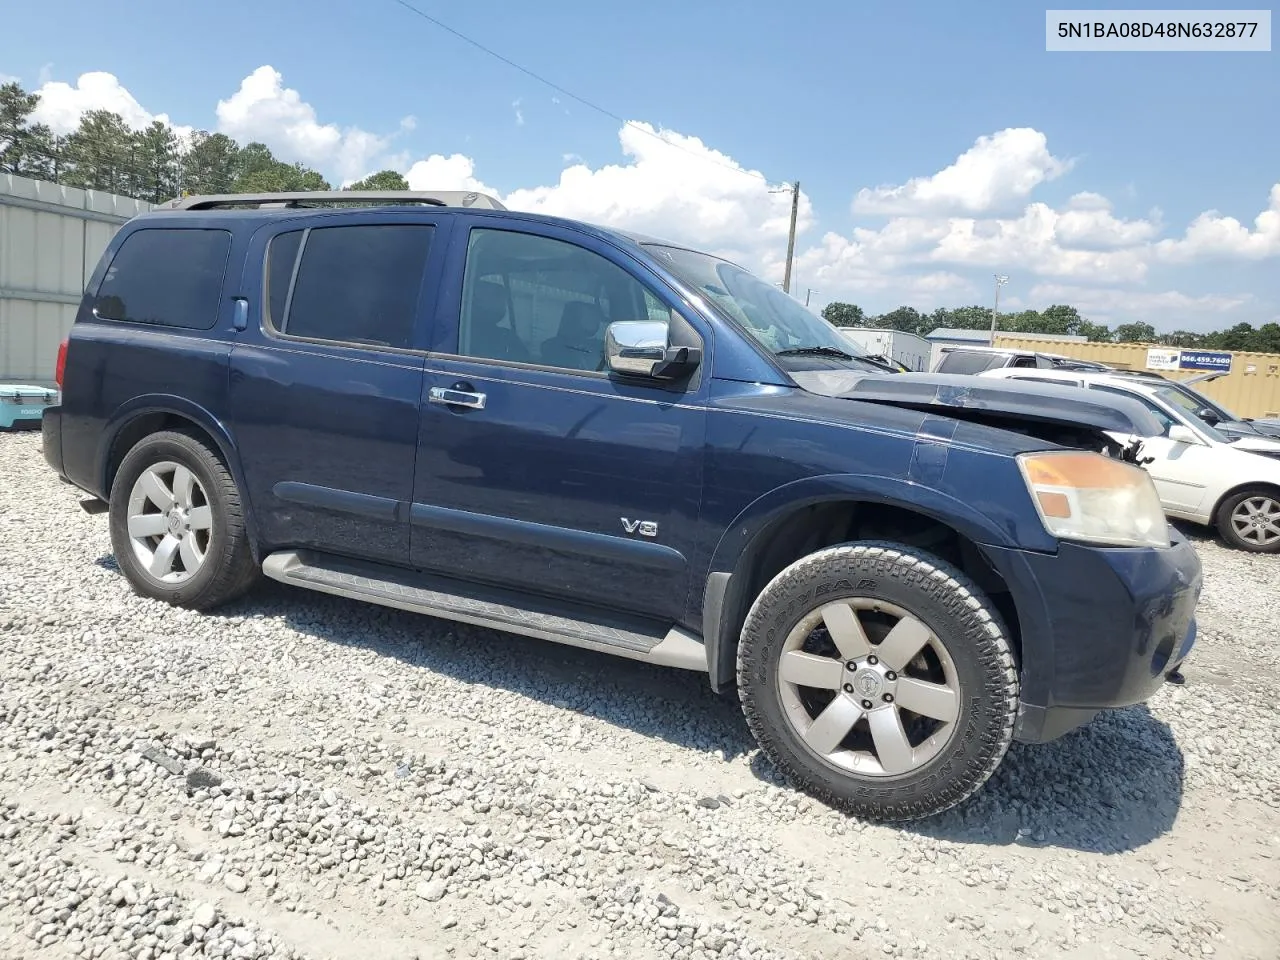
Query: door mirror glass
1208,416
1180,433
642,348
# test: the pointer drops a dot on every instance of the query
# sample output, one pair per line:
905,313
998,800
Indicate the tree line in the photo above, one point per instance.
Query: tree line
1057,320
152,164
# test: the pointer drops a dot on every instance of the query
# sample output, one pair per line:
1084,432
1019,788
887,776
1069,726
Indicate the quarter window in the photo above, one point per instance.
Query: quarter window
531,299
353,284
171,277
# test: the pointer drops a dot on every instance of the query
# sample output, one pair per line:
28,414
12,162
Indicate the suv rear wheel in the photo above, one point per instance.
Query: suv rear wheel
879,679
177,526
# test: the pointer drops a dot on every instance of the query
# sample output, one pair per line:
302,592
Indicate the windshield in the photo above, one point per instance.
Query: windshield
1187,407
799,338
1193,400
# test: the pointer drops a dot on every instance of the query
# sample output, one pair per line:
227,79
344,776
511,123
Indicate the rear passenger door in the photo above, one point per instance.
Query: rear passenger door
325,386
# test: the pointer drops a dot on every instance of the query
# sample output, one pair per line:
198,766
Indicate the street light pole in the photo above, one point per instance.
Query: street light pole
1001,280
791,236
809,291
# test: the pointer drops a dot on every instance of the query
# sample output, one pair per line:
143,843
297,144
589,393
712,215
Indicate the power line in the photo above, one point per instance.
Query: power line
570,94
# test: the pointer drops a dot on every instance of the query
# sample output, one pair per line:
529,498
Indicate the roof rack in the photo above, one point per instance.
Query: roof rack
308,198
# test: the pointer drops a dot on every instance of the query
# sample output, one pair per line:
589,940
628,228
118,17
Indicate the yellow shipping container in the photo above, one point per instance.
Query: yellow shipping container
1251,389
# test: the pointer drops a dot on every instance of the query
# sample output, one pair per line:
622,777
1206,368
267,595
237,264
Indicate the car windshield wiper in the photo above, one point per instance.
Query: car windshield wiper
814,352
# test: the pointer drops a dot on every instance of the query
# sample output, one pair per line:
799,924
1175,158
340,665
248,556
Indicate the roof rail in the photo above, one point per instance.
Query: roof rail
307,198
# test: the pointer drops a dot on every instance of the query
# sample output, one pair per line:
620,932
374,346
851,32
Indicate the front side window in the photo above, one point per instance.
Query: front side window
1162,415
170,277
532,299
354,284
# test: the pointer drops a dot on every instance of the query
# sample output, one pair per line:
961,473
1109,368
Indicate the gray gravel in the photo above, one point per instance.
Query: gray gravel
302,776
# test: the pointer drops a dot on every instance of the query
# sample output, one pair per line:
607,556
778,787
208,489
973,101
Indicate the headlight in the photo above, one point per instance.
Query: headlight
1088,496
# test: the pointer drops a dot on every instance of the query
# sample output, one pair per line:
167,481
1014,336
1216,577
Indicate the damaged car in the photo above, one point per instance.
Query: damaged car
552,429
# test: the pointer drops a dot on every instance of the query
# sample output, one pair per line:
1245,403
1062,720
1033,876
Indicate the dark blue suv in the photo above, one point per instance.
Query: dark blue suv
605,440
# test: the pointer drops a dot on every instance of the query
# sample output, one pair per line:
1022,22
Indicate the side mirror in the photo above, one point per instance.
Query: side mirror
1180,433
642,348
1208,416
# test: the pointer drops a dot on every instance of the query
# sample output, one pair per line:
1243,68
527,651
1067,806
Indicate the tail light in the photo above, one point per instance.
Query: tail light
61,366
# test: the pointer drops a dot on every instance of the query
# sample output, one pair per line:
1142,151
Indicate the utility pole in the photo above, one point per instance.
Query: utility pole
1001,280
791,237
809,291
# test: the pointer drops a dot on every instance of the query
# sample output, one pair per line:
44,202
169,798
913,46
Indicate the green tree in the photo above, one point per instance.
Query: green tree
261,172
1182,338
1062,320
157,167
101,154
1135,333
844,314
904,318
382,180
1266,339
1097,332
25,148
211,163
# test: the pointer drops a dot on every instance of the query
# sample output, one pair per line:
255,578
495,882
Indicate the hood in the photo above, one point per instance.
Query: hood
987,399
1268,428
1266,446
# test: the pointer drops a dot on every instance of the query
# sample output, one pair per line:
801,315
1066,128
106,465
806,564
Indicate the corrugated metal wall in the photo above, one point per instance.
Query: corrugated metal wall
1251,389
50,240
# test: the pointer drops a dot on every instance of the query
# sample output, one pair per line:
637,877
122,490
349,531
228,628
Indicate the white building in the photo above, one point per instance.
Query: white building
908,349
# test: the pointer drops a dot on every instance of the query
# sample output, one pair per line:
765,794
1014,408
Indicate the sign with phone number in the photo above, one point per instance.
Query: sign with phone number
1158,359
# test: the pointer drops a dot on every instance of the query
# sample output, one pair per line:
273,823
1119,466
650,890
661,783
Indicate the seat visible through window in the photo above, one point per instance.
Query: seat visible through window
579,342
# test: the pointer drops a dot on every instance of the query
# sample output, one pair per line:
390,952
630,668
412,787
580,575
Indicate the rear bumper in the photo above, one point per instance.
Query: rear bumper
1101,628
51,438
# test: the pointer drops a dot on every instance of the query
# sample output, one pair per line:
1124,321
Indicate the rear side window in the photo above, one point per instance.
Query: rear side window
352,284
969,361
168,277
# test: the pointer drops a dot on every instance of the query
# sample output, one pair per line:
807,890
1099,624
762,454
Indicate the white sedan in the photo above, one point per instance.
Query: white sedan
1202,475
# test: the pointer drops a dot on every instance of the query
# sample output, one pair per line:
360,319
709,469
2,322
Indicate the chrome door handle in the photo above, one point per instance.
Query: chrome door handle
456,398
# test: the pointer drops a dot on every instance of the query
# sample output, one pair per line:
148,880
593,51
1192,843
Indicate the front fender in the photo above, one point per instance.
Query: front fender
724,596
184,409
886,491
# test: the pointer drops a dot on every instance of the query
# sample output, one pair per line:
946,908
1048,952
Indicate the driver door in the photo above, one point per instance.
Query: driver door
537,470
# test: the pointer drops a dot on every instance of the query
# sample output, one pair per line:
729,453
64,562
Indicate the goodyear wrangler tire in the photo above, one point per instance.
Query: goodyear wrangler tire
879,679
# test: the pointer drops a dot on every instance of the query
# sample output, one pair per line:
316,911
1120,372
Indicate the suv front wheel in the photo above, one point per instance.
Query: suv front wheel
879,679
177,525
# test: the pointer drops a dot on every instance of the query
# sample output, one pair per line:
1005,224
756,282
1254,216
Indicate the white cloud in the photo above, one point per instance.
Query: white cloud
996,171
515,105
61,105
9,78
265,110
676,187
1212,236
1164,309
456,172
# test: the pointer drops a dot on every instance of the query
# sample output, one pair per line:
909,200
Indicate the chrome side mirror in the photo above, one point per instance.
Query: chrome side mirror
642,348
1181,433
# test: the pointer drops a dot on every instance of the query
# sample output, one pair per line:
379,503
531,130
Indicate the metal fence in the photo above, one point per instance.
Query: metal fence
51,237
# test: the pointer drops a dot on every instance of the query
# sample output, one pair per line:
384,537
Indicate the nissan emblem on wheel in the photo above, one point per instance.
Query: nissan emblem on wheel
426,401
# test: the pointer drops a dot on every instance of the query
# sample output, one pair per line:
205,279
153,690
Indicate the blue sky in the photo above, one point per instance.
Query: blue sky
1079,175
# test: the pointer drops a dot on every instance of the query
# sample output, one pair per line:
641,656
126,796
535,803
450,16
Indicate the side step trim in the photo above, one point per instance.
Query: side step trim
484,607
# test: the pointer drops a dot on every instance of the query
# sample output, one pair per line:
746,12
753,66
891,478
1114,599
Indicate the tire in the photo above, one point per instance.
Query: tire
1250,520
963,676
209,562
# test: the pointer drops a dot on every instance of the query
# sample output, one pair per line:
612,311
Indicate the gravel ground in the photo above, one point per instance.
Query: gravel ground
303,776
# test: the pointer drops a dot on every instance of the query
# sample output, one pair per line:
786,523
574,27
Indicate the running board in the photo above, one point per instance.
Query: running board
488,607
